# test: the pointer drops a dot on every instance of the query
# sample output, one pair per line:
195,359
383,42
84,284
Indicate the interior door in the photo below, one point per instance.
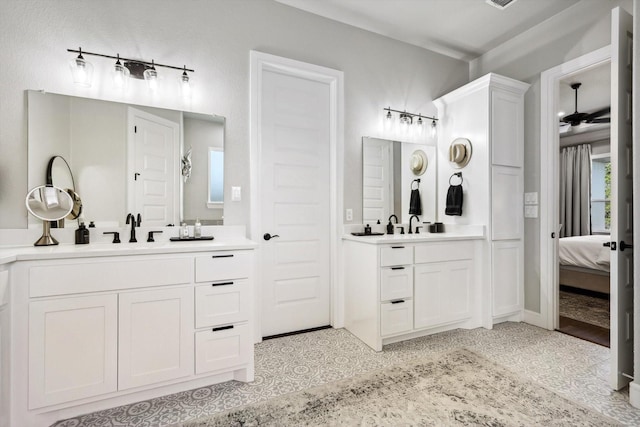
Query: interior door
377,185
294,202
153,180
621,200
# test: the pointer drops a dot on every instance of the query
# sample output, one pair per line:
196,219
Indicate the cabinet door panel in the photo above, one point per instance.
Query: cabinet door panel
222,303
222,349
429,281
396,317
508,277
156,336
507,129
72,348
507,212
396,255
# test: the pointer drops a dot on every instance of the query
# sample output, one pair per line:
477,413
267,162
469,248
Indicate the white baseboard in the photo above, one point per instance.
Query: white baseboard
634,394
535,319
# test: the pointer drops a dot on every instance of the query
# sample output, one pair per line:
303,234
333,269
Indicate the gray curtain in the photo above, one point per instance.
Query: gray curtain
575,190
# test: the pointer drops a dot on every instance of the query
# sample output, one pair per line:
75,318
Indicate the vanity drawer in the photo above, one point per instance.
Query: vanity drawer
82,277
444,251
223,266
396,283
222,348
221,303
396,317
396,255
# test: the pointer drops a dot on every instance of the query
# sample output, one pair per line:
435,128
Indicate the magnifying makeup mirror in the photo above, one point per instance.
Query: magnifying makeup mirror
48,203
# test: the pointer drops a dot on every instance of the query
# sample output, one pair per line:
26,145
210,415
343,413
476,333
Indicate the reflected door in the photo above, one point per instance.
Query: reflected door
153,177
377,180
294,186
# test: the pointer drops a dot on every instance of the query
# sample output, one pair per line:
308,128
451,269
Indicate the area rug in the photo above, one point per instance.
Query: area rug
455,388
585,308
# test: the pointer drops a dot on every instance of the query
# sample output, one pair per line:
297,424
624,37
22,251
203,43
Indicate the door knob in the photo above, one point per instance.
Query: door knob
624,245
268,236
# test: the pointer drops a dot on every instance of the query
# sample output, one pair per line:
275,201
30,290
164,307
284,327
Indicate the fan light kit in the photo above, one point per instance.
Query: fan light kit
125,68
406,120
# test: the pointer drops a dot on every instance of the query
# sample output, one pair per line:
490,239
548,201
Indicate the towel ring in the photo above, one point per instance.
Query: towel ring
459,175
417,182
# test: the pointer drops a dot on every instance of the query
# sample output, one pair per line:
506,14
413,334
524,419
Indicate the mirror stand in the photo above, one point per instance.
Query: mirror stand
46,239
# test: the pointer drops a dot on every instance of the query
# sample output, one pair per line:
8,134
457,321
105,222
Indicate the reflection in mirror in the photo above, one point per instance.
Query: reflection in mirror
126,158
48,203
388,170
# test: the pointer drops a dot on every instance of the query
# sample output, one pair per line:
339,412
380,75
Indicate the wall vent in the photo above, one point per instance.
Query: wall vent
501,4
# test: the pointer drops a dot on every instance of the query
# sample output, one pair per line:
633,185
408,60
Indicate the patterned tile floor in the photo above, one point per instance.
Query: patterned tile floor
575,369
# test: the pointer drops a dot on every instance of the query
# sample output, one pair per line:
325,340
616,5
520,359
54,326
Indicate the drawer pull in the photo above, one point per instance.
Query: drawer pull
397,268
222,256
400,301
397,247
222,284
222,328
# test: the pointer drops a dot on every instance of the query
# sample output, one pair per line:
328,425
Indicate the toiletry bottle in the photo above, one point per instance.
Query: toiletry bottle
197,229
82,235
367,229
184,231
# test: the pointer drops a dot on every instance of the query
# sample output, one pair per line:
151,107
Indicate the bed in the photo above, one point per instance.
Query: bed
585,262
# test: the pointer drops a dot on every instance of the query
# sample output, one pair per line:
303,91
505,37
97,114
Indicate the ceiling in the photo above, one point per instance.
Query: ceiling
462,29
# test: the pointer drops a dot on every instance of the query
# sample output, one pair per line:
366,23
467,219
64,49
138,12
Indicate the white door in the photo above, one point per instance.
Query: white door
155,336
621,200
377,180
294,203
153,180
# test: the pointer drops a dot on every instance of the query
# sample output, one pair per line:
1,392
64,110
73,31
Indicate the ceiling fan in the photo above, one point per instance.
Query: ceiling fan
577,118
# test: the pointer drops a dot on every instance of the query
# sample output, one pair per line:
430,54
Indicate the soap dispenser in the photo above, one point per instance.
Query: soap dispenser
82,235
390,227
197,229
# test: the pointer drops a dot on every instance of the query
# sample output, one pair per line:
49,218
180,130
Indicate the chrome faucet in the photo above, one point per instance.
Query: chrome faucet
411,221
134,223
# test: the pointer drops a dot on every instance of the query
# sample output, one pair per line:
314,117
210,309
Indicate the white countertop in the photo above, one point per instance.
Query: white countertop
10,254
456,233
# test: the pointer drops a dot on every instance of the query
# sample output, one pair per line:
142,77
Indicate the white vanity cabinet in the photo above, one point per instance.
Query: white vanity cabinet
95,332
396,291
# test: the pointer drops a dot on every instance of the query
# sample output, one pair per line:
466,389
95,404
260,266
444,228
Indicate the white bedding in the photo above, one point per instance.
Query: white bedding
585,251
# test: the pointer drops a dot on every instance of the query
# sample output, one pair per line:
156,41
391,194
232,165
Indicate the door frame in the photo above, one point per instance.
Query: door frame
549,174
259,63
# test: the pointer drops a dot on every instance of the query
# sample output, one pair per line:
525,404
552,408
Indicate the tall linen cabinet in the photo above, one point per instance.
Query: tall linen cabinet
489,112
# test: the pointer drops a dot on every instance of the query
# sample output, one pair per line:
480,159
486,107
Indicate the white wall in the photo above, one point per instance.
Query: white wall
214,38
576,31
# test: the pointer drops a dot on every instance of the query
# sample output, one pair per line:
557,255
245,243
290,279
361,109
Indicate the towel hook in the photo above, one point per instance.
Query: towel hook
417,180
459,175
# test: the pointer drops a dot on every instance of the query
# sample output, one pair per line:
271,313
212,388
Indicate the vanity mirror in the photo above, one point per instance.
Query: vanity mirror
48,203
389,169
130,158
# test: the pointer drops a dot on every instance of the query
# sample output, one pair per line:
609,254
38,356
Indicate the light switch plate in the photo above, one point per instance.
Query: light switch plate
531,211
531,198
236,194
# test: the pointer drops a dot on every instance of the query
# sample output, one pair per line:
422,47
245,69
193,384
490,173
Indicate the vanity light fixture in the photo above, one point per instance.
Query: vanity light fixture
123,68
185,86
406,119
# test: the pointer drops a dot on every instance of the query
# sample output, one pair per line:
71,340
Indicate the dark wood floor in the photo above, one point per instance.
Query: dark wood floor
585,331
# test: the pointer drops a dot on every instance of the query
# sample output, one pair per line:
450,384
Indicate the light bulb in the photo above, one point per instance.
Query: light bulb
185,85
433,130
120,74
151,76
81,70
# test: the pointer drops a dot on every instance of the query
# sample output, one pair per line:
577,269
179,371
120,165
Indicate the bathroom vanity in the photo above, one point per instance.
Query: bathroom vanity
399,287
101,325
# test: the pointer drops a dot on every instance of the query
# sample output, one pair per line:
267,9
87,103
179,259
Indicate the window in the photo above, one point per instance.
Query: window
601,193
216,177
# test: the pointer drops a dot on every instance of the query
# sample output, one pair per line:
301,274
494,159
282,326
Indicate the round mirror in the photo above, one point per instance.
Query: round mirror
48,203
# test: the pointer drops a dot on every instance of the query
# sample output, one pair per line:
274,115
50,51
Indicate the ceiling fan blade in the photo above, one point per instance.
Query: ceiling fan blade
598,113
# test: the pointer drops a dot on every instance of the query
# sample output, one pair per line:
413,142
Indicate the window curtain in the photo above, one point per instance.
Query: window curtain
575,190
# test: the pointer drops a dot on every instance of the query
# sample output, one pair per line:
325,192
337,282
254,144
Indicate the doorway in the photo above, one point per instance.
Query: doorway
296,198
619,55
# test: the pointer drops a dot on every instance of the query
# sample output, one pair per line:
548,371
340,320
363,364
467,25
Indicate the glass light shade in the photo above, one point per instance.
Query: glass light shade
151,76
185,85
82,71
120,75
434,129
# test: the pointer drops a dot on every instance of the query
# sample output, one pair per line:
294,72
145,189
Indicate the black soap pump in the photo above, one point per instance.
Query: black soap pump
82,235
390,225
